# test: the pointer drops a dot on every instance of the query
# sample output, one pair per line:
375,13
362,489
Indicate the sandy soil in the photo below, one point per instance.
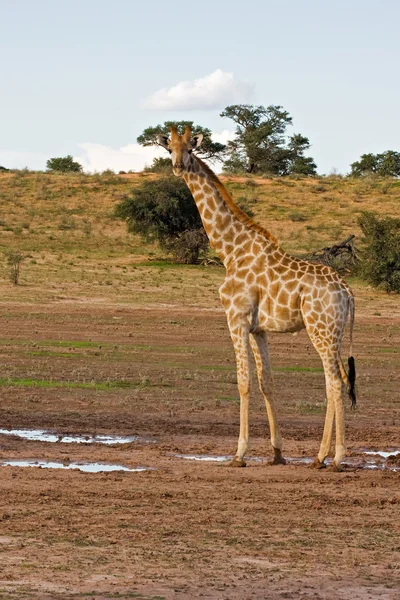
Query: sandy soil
189,529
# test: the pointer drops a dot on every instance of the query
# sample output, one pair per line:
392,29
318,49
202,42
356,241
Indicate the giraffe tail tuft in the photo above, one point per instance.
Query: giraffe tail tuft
352,381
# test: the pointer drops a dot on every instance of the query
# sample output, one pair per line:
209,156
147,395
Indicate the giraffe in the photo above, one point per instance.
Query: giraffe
267,290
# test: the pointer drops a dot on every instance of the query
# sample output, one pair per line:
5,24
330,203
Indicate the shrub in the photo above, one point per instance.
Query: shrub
163,210
160,165
14,260
65,164
380,262
188,246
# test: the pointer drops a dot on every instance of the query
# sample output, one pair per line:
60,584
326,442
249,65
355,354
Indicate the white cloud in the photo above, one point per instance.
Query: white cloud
133,157
207,93
223,137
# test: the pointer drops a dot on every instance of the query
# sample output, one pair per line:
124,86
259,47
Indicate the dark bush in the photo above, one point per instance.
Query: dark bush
163,210
160,165
64,164
380,259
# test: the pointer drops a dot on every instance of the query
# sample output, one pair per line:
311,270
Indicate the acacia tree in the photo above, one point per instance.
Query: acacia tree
297,162
260,144
209,149
386,164
65,164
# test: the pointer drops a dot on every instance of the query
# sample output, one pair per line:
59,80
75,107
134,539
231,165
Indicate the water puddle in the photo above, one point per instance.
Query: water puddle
84,467
383,454
203,457
41,435
210,458
367,459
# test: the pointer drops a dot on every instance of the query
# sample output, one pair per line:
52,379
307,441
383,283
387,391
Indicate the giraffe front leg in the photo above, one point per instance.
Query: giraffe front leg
239,330
259,345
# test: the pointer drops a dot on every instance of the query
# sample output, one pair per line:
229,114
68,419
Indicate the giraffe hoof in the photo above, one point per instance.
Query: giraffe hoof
278,458
236,462
317,464
278,461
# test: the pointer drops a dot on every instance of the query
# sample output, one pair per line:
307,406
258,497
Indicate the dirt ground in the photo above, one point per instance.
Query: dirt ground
190,529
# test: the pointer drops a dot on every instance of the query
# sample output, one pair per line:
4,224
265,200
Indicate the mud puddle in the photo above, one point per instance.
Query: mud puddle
365,459
84,467
383,453
41,435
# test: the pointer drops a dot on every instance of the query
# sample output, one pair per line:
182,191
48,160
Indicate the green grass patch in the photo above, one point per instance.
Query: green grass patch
45,383
48,353
389,350
309,408
64,344
300,369
216,368
234,399
164,264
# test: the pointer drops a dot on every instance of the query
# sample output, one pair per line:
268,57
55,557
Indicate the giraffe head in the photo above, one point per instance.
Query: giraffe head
180,147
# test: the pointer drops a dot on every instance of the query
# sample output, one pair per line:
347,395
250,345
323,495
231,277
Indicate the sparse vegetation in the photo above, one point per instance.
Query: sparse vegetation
14,260
97,251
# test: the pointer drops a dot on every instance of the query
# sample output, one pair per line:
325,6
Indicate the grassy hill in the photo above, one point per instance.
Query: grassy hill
65,224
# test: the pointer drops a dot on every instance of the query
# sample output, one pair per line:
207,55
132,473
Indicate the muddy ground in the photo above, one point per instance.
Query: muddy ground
190,529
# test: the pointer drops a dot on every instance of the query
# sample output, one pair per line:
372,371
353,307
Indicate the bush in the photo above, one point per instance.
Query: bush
64,164
14,260
163,210
160,165
188,246
380,261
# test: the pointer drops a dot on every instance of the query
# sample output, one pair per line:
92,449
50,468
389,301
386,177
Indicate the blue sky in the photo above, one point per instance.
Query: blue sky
85,77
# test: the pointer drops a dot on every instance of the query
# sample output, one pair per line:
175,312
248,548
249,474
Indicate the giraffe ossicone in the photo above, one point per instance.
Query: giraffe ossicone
267,290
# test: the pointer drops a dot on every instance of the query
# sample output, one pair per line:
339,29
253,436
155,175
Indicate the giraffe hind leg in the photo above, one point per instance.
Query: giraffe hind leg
259,345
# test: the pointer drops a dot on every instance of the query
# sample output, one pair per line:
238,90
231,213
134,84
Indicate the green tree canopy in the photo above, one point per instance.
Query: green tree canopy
260,144
65,164
386,164
208,149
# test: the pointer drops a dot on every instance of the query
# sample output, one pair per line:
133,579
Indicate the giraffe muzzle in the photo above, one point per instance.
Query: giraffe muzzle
178,169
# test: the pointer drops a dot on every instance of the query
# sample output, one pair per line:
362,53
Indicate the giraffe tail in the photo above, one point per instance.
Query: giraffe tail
351,362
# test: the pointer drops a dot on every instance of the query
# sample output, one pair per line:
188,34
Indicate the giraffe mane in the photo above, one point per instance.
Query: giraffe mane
238,212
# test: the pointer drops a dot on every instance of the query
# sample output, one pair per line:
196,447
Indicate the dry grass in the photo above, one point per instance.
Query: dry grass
75,246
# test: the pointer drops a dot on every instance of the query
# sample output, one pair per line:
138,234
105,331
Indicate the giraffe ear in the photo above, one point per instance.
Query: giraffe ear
163,140
196,141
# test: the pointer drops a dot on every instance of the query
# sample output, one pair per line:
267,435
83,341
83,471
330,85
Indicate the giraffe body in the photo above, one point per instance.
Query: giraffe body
267,290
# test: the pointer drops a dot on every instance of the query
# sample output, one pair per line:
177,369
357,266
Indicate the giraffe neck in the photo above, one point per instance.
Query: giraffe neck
228,228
